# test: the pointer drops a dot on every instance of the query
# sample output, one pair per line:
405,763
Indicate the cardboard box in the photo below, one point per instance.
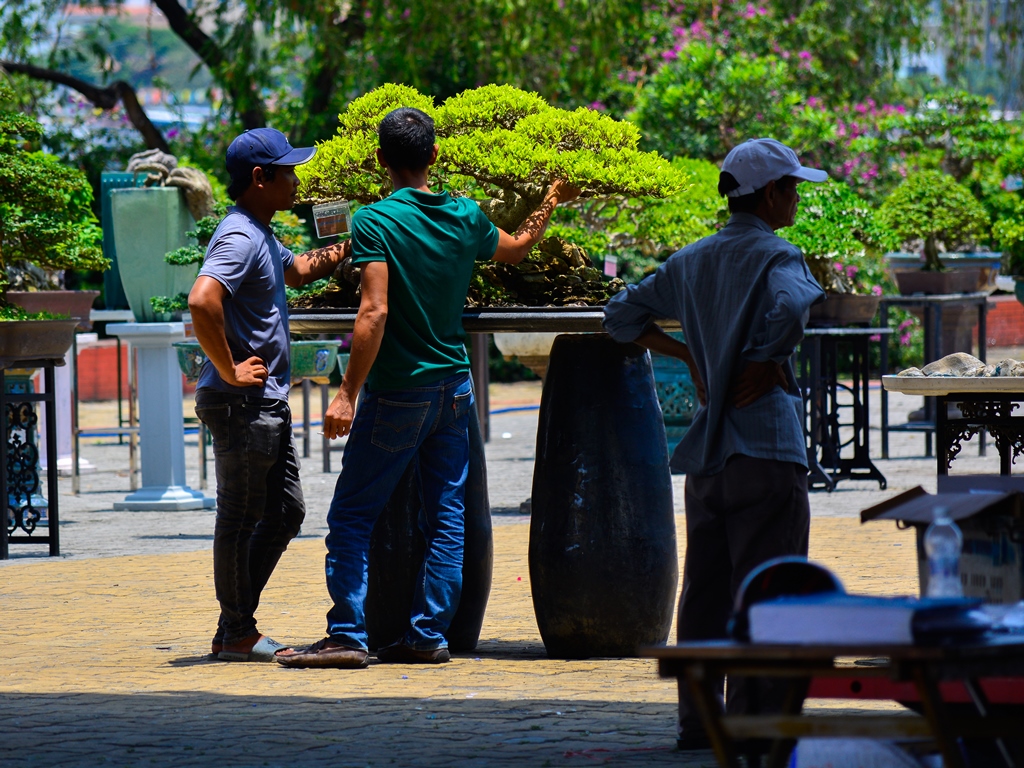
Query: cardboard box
990,511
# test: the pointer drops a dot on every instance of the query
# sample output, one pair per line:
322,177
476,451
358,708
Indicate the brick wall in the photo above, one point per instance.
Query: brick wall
97,371
1005,322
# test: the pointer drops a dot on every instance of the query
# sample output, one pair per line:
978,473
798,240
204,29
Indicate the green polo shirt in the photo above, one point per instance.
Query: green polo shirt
430,243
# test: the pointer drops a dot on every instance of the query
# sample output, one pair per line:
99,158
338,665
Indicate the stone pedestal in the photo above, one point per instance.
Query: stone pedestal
161,426
62,377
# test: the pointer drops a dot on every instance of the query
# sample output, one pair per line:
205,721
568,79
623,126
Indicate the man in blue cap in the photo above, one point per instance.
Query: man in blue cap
240,317
742,297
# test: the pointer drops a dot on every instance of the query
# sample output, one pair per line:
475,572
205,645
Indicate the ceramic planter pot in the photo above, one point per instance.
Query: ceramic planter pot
531,349
938,283
148,223
23,340
310,359
74,304
987,264
845,309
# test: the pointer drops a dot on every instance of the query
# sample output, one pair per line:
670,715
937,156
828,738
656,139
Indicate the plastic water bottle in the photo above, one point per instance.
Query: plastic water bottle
943,543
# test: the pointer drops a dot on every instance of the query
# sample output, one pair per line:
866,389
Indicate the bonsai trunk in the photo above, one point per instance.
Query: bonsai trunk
931,255
512,206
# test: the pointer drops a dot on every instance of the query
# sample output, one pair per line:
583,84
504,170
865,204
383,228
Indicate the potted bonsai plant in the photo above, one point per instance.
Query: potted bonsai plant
1009,234
501,146
931,209
45,224
843,246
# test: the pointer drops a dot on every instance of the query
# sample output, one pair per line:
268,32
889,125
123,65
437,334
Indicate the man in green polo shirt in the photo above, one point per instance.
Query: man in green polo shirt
417,249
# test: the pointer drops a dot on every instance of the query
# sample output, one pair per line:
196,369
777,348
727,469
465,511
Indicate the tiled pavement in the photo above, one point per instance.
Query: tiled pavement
104,661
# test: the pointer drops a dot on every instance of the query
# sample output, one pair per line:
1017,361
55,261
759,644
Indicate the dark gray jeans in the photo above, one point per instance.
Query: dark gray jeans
751,511
259,500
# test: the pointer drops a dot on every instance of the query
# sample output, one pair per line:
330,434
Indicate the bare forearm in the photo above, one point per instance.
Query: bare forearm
656,340
366,338
313,265
532,230
208,323
512,249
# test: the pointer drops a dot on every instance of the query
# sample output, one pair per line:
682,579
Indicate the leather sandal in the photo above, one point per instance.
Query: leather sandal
324,653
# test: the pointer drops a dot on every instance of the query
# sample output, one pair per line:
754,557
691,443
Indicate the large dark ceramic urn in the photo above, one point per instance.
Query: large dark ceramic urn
603,559
396,554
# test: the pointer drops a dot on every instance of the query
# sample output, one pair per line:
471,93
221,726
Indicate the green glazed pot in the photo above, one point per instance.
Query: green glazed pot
310,359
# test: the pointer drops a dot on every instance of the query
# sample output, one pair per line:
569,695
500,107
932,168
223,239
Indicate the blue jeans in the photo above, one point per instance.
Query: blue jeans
259,500
429,425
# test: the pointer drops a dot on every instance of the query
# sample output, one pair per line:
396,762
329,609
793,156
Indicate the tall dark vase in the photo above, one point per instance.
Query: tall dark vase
603,557
396,554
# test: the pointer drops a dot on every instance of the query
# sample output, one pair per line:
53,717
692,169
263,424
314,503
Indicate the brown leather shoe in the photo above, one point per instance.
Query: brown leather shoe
324,653
400,653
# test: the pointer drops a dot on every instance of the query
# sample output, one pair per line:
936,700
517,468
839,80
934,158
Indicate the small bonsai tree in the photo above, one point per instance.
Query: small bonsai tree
502,146
841,239
930,206
45,215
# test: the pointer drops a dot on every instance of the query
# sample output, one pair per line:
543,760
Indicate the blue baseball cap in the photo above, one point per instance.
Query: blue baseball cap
262,147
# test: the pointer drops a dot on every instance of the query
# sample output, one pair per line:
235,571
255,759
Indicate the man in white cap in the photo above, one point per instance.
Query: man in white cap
742,296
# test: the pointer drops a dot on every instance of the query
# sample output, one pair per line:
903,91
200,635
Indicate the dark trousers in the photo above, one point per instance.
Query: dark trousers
751,511
259,500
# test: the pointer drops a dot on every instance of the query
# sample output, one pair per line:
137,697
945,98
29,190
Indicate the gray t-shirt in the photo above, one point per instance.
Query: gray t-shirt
246,258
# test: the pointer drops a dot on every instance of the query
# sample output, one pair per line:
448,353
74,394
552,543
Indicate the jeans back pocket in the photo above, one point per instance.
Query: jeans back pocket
217,418
397,425
461,404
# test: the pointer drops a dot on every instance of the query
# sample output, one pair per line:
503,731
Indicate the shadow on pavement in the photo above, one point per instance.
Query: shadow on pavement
198,728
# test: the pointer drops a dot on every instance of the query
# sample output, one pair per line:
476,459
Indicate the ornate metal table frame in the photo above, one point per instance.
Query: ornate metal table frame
817,373
981,412
14,410
933,306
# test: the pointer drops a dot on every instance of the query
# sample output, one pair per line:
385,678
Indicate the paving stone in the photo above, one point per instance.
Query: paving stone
105,648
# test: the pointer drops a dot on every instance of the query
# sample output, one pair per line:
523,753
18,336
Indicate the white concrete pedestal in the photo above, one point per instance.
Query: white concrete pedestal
62,376
161,426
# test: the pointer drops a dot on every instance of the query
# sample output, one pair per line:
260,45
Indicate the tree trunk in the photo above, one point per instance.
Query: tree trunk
106,97
247,103
931,255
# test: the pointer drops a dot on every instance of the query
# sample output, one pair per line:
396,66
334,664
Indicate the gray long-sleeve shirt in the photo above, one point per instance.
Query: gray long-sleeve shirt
742,294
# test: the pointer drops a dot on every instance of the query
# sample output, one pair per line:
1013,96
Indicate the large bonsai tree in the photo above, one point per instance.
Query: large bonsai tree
45,214
930,206
502,146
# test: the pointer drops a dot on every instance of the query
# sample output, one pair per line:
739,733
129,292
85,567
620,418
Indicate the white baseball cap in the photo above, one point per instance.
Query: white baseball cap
756,162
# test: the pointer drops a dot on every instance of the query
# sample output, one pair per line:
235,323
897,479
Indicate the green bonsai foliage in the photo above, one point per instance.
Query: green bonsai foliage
665,226
930,206
840,238
1008,234
503,146
45,214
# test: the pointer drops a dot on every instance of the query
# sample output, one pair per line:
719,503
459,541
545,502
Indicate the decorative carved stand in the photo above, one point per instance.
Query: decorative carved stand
980,413
19,462
932,307
817,363
991,405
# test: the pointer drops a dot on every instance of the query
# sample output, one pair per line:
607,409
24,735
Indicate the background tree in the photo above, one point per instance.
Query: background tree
45,216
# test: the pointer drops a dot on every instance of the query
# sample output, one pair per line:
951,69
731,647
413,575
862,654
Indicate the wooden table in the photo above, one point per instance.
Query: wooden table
986,404
698,664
